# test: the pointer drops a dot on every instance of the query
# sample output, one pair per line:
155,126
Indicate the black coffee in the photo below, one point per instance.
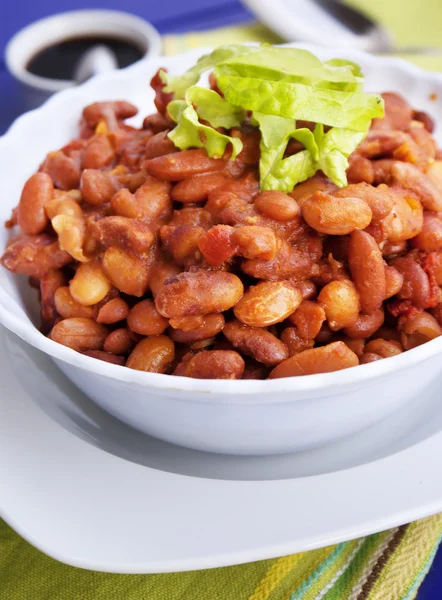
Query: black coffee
59,61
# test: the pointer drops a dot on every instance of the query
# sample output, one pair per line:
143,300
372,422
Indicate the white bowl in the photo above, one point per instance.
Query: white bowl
235,417
39,35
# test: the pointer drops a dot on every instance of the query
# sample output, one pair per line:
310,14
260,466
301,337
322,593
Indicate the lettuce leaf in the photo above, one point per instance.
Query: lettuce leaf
211,107
335,147
190,133
335,108
275,171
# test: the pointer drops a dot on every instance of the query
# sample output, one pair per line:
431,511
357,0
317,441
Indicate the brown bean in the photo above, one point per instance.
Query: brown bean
367,270
406,219
411,178
153,354
49,284
97,187
430,238
79,334
99,152
113,311
377,198
63,170
267,303
128,234
178,166
89,284
416,286
307,289
305,190
294,342
333,357
356,345
254,241
398,113
341,303
393,281
159,145
36,193
276,205
288,262
127,272
369,357
384,348
109,112
162,269
106,357
336,216
366,325
308,319
360,169
119,341
215,364
181,241
418,329
198,293
144,319
210,326
34,255
150,201
67,307
256,342
198,187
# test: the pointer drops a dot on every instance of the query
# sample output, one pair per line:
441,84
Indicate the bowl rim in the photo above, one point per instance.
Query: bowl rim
87,19
253,391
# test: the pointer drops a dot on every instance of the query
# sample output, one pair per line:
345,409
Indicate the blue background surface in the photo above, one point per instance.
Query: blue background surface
169,16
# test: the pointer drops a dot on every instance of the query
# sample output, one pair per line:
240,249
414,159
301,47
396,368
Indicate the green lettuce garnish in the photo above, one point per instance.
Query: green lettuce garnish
190,133
279,87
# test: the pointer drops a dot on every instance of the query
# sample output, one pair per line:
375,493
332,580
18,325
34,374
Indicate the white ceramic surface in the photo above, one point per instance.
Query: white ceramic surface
38,35
106,497
238,417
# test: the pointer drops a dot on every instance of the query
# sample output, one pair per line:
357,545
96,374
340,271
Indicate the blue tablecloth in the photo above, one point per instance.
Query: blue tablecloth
168,16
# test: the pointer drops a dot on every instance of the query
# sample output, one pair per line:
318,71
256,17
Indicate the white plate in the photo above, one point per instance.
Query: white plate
91,492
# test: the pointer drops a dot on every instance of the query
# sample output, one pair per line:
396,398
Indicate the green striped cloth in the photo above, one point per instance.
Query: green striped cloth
384,566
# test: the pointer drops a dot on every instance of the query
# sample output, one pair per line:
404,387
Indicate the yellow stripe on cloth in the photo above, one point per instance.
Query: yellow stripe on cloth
411,554
285,565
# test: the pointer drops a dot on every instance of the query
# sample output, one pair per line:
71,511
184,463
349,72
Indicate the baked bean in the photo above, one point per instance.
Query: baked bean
209,326
89,284
109,112
178,166
128,234
36,193
398,113
437,266
250,138
425,119
182,241
308,319
307,289
162,269
192,215
369,357
424,140
187,323
198,187
156,123
68,221
97,187
294,342
356,345
113,311
127,272
418,329
159,144
34,255
256,342
254,241
49,283
437,313
80,334
366,325
430,238
276,205
393,281
63,170
336,216
119,341
411,178
214,364
106,357
144,319
153,354
384,348
267,303
288,262
150,201
67,307
99,152
367,270
198,293
416,286
377,198
360,169
333,357
305,190
341,303
388,333
406,219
